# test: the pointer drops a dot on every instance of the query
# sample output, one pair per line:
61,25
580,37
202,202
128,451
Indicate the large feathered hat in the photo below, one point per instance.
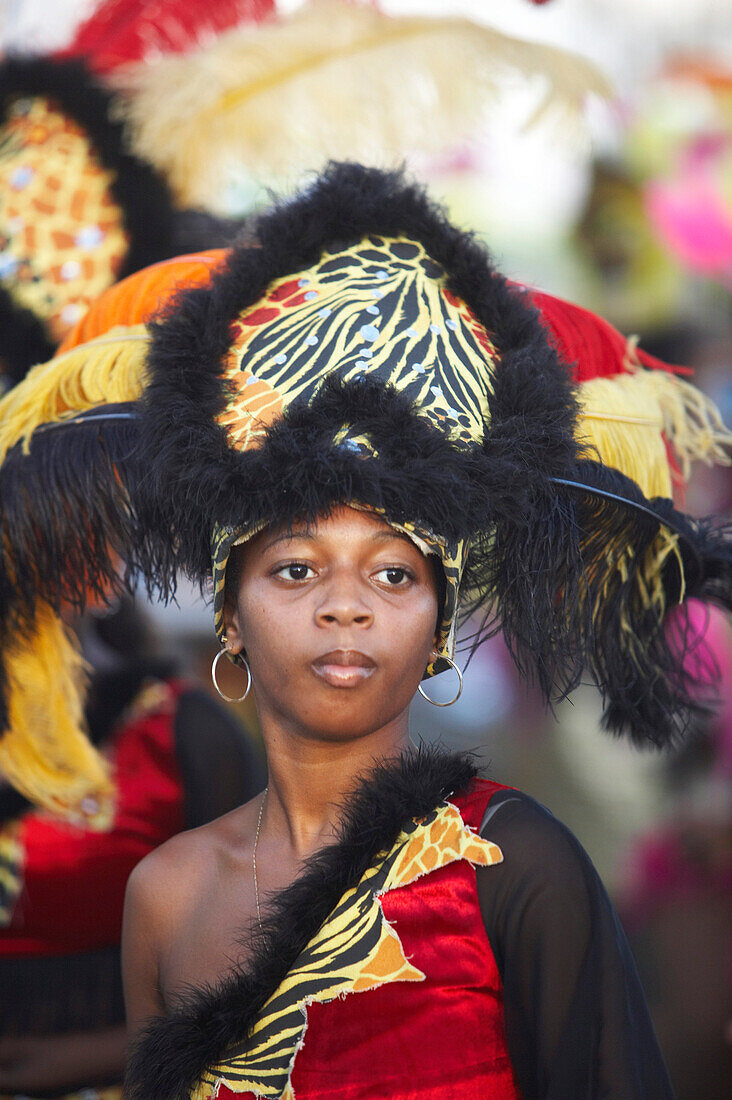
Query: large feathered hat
363,350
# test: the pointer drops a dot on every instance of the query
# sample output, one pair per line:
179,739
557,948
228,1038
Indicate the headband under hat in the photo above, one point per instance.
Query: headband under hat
366,351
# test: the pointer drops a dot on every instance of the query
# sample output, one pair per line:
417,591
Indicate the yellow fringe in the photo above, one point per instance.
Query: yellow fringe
625,419
332,80
45,753
108,369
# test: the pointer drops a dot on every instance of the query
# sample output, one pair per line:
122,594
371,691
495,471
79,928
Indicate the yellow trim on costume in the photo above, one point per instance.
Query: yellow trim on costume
627,420
44,752
103,371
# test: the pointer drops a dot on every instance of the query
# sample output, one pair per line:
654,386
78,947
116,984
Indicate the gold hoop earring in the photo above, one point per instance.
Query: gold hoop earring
230,698
459,691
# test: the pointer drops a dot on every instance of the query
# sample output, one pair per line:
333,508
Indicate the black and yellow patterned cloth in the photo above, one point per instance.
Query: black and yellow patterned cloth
12,857
356,949
380,308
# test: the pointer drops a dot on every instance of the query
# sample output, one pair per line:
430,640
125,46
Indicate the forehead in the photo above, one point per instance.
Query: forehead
343,524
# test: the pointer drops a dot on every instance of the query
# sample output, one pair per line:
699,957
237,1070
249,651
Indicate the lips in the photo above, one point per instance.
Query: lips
344,668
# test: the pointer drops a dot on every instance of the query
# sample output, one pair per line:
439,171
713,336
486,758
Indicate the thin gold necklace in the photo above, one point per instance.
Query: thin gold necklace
254,855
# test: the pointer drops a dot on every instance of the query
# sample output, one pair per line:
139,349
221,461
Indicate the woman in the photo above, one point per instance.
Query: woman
363,431
338,623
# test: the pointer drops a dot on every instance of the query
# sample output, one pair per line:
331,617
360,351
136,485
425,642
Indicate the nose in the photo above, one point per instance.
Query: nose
343,604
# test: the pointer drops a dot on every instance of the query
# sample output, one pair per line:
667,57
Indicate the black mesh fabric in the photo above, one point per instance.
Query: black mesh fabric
576,1019
222,765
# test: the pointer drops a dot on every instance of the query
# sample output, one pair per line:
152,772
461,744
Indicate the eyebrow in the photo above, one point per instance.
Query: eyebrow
304,533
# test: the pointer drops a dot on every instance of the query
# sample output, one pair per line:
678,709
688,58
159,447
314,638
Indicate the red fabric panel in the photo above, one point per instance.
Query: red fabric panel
75,879
441,1039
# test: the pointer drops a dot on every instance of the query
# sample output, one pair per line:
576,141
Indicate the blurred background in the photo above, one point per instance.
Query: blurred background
621,201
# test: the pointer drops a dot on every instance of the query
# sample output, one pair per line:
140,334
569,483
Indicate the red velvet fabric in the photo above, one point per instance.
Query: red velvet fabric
75,879
441,1039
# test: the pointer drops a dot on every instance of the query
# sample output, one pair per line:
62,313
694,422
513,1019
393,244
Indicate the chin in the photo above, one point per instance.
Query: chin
347,721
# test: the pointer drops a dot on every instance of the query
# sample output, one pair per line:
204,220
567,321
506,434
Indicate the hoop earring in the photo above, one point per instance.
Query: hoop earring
459,691
230,698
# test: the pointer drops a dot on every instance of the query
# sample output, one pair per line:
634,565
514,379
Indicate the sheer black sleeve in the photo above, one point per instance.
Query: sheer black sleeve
576,1020
221,762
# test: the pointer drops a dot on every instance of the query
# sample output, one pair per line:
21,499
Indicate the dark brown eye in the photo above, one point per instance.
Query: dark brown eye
393,576
295,571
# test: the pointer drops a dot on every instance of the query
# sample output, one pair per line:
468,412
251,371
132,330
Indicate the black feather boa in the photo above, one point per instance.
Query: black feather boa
172,1053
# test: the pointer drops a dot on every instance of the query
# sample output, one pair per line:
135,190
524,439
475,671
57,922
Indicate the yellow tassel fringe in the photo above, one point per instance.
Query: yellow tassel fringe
45,753
625,419
102,371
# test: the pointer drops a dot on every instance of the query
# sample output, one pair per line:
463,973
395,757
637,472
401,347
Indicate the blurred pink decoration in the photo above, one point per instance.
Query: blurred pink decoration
709,658
692,211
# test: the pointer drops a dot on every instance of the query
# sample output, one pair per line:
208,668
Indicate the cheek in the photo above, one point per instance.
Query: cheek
411,632
260,627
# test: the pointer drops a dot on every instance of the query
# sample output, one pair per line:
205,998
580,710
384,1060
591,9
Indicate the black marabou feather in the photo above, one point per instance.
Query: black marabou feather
173,1052
24,340
67,522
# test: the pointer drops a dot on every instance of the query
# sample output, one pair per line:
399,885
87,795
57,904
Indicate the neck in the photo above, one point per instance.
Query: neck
309,779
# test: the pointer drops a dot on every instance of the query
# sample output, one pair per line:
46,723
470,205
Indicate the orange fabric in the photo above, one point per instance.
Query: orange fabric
137,298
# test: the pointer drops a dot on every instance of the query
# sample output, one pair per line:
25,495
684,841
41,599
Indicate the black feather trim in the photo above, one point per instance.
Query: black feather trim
67,524
542,557
569,601
173,1052
24,340
191,465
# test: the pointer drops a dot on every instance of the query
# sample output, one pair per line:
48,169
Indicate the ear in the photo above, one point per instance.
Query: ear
232,623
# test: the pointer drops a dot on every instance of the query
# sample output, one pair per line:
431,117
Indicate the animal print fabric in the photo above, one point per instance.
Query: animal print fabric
380,309
12,857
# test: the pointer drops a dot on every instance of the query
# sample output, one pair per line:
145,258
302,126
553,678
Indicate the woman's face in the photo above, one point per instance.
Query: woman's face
337,621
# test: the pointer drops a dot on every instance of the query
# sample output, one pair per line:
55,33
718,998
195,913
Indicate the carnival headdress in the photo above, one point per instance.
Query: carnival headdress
366,351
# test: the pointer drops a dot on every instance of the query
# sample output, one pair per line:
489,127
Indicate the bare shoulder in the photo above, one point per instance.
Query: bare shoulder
181,868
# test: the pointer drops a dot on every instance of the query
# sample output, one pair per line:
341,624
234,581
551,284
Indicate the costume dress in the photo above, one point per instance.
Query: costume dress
178,761
453,967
